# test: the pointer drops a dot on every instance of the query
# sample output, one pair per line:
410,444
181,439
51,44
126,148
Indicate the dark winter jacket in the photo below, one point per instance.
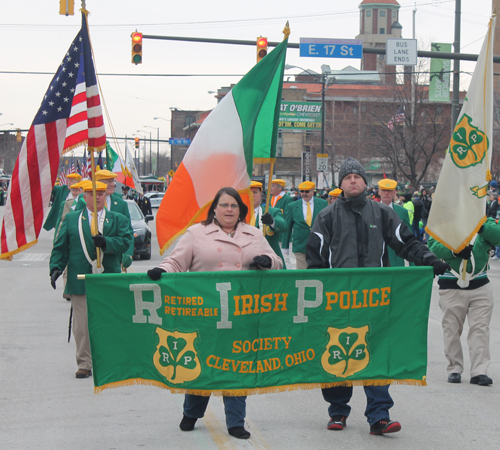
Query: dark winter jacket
354,232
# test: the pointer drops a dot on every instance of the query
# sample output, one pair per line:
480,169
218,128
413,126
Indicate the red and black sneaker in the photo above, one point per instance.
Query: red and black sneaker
385,426
337,422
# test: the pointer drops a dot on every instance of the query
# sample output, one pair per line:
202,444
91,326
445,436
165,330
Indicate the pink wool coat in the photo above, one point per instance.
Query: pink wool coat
209,249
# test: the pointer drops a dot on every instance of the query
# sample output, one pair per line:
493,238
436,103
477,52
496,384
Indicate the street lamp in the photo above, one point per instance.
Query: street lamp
326,80
157,147
9,123
150,144
144,158
166,120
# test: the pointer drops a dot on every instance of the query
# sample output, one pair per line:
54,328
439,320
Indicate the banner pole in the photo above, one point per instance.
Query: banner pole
268,195
94,200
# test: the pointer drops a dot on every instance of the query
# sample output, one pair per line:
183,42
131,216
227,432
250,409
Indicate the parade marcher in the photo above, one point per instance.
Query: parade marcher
75,248
353,233
279,197
333,195
66,207
300,216
472,299
59,194
273,221
419,208
222,242
114,203
408,205
387,190
145,204
492,209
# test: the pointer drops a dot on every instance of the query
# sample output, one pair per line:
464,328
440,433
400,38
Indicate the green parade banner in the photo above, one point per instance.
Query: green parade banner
251,332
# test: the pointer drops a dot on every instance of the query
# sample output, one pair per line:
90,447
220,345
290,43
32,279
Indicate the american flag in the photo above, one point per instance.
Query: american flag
72,168
399,117
78,170
62,176
70,115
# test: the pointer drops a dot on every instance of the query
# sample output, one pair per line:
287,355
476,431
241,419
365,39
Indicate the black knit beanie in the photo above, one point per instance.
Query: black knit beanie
351,166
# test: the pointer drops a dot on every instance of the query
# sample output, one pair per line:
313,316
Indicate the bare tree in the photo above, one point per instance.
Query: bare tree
414,132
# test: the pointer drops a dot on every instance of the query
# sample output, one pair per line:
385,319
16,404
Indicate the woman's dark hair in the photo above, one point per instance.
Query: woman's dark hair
422,191
407,197
233,193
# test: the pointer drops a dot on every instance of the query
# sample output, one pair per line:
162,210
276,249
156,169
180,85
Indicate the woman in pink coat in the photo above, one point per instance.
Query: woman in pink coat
222,242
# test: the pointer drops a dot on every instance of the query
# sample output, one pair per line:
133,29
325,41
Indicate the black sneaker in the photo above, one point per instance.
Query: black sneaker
337,422
238,432
385,426
187,423
454,378
481,380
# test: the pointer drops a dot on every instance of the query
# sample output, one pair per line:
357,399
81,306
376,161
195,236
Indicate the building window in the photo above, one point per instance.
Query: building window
439,110
188,121
394,14
382,13
382,31
368,13
279,152
280,135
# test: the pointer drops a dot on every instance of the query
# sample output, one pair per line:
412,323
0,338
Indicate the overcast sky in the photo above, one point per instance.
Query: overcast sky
35,38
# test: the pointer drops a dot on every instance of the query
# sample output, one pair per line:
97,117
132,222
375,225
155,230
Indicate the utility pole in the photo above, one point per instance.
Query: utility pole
455,102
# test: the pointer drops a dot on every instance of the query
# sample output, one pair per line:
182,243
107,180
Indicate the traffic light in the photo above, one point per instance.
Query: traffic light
19,138
67,7
261,48
136,48
136,142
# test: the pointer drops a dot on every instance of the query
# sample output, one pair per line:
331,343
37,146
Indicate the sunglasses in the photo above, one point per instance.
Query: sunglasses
306,192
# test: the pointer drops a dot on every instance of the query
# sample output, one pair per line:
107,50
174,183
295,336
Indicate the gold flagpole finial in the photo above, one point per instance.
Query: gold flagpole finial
286,30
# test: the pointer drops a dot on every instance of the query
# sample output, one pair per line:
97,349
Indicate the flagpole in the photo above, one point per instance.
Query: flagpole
94,200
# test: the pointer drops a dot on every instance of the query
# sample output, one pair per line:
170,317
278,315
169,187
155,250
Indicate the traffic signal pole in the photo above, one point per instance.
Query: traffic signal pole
373,51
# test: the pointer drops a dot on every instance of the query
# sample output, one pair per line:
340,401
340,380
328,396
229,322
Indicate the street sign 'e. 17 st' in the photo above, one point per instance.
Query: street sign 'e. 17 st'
179,141
331,48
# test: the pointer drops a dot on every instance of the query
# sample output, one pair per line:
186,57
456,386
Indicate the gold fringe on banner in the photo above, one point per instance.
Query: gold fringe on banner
256,391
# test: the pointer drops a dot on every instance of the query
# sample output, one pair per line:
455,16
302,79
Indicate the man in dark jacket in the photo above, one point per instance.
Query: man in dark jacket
353,232
417,215
145,204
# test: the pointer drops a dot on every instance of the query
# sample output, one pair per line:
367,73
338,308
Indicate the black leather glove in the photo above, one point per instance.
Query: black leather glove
465,253
261,262
54,276
481,229
440,267
267,219
155,274
99,241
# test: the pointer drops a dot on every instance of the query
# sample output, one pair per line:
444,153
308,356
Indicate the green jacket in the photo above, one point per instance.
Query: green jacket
395,260
117,205
489,237
67,250
273,234
59,194
283,202
297,229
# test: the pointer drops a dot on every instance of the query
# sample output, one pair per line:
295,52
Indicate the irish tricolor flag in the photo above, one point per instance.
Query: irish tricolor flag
242,128
459,203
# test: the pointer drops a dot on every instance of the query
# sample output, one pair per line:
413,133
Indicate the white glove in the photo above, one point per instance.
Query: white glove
285,251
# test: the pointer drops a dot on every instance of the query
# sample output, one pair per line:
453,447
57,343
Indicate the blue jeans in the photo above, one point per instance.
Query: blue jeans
497,252
235,408
378,401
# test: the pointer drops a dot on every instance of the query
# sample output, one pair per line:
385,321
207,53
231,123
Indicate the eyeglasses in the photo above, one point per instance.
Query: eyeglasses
227,205
306,192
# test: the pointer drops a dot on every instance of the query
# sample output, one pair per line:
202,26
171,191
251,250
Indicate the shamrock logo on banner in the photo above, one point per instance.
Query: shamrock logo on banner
346,352
175,356
468,144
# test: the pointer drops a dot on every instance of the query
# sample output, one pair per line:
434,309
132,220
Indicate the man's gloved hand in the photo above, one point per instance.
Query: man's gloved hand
465,253
261,262
54,276
99,241
285,251
267,219
155,274
481,229
440,267
126,261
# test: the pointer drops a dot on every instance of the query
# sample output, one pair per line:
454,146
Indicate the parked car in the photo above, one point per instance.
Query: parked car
142,233
155,198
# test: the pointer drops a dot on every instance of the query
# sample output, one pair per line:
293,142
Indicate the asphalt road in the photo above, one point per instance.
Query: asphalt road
43,406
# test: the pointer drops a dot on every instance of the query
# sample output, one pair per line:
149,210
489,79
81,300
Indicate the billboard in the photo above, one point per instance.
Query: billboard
300,115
